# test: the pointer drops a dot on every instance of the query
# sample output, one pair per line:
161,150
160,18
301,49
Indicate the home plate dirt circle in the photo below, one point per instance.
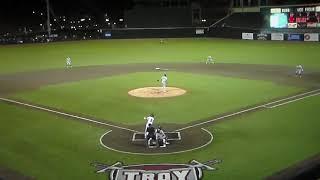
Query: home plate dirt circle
156,92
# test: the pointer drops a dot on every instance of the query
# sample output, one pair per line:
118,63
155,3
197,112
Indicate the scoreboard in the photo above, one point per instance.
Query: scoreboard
295,17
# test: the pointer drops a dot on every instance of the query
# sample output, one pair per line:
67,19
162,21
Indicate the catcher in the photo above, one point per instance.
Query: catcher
161,137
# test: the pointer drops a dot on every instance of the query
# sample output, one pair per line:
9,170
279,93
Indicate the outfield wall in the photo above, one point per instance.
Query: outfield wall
265,34
310,37
177,32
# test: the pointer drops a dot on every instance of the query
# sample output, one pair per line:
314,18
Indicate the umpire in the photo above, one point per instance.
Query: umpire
151,134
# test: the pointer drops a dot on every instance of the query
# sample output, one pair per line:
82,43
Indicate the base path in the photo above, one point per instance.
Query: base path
23,81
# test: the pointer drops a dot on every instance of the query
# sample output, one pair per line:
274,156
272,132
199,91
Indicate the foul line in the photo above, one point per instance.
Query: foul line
291,97
66,114
281,104
257,107
267,105
152,154
222,117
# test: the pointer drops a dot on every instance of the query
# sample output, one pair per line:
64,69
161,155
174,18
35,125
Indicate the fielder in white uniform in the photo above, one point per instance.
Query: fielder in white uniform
209,60
299,70
164,82
150,120
68,62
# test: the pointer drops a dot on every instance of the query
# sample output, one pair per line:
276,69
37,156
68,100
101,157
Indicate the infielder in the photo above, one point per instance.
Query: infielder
209,60
150,120
299,70
68,62
164,81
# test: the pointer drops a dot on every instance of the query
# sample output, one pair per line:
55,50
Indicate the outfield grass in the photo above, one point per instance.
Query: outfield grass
30,57
262,143
108,98
251,147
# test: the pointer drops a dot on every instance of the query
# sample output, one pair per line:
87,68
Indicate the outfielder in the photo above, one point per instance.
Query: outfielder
299,70
164,81
68,62
209,60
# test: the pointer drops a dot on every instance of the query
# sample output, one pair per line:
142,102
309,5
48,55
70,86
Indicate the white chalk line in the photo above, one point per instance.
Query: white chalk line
152,154
291,97
281,104
257,107
219,118
191,126
66,114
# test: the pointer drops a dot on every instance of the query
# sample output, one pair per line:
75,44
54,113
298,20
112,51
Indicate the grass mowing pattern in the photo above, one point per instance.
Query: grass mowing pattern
206,96
251,147
47,147
30,57
257,145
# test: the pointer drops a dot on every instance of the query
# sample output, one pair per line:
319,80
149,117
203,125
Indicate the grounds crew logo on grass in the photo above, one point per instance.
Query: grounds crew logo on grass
191,171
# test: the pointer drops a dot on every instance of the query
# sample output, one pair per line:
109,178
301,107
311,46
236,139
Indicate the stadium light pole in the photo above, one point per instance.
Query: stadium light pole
48,19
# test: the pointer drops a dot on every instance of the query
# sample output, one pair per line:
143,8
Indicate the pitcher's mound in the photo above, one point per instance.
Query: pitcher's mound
156,92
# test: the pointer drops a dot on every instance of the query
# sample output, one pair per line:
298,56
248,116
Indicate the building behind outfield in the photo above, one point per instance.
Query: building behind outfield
237,19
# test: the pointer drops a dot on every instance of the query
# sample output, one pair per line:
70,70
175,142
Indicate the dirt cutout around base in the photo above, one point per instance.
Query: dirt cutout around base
157,92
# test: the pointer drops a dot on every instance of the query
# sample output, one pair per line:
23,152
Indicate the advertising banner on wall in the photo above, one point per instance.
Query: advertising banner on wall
262,36
248,36
311,37
107,34
199,31
292,25
277,36
295,37
312,25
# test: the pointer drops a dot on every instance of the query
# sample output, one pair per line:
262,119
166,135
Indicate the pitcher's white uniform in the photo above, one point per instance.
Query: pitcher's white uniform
299,70
164,81
68,62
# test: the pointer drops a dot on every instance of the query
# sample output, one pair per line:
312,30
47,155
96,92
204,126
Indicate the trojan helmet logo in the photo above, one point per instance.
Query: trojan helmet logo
191,171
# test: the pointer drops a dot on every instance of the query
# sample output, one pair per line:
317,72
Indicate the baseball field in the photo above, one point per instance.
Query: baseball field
248,109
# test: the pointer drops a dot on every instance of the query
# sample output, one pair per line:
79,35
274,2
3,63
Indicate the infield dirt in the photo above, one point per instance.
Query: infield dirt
12,83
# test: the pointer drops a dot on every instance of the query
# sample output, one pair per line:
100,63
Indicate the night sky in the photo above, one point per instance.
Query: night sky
18,12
